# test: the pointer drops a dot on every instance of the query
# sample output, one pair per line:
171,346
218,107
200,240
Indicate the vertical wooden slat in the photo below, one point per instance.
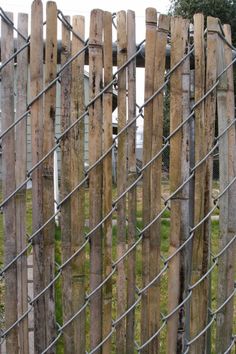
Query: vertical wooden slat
95,180
178,158
121,180
131,261
156,175
107,180
204,135
77,173
188,247
48,193
221,95
151,22
227,151
210,114
36,85
200,151
20,170
65,189
186,204
8,173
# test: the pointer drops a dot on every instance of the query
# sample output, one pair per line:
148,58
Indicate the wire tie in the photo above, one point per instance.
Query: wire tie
58,326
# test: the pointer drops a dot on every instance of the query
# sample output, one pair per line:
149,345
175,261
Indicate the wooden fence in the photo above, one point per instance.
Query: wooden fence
146,265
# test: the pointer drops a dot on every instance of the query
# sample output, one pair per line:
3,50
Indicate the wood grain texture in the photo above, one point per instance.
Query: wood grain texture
107,181
36,85
132,175
95,177
9,183
156,176
227,156
65,189
77,174
151,22
20,170
185,254
204,137
47,170
200,173
121,181
178,173
210,118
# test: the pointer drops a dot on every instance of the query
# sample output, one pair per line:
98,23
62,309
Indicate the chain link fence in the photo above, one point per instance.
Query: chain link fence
180,290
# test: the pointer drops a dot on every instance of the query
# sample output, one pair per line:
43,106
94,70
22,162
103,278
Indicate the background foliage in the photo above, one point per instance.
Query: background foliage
225,10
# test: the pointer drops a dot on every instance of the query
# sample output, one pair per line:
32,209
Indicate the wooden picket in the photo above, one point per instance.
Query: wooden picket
20,170
36,86
48,192
76,175
95,180
151,22
107,180
225,98
178,173
156,170
132,175
121,179
8,171
199,188
65,189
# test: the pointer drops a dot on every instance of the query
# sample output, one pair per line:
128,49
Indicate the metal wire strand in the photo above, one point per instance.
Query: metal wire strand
232,344
109,150
26,45
166,318
140,233
63,19
189,343
11,23
78,119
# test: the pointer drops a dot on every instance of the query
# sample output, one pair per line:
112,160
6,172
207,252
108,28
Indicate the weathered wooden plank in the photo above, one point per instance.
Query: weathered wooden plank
200,151
95,180
178,167
210,107
151,22
156,175
20,170
186,212
131,140
47,169
8,174
204,136
107,180
77,174
121,180
65,189
188,247
36,85
227,160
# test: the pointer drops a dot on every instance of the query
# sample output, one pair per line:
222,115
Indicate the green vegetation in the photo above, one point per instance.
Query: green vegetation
225,10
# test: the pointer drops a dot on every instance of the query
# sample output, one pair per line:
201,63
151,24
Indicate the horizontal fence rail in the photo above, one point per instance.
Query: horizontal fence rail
145,264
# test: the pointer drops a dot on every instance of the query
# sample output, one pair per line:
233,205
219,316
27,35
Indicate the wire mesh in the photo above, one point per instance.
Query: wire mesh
140,171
